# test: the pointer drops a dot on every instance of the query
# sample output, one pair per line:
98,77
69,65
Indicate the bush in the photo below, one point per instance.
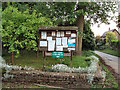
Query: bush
64,68
100,45
91,70
115,43
87,53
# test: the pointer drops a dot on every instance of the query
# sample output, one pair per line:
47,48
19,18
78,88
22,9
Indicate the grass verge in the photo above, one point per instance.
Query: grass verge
110,51
29,59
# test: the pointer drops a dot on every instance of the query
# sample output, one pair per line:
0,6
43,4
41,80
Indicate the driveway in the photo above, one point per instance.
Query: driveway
110,60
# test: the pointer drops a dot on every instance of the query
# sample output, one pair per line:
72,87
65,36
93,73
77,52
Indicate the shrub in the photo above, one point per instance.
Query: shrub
87,53
7,68
90,70
115,43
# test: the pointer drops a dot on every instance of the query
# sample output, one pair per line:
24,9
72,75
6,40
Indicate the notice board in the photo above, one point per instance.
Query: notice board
57,39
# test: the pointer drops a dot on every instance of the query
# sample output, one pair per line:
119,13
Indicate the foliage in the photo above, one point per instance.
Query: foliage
7,68
97,39
118,21
109,37
115,44
89,70
20,29
100,45
110,80
66,13
29,59
87,53
88,40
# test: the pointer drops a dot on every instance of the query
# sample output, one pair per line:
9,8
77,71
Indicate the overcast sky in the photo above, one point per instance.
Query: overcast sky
104,27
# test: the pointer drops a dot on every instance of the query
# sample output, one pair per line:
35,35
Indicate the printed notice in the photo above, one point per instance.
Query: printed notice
51,45
59,48
43,35
58,34
73,35
68,32
62,34
70,41
64,41
71,49
49,38
53,33
58,41
43,43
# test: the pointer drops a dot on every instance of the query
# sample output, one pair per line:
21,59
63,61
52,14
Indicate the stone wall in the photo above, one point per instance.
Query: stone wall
65,80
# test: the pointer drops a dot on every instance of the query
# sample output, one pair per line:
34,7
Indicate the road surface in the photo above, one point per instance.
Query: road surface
112,61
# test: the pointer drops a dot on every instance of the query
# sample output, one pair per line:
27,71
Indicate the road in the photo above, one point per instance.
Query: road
112,61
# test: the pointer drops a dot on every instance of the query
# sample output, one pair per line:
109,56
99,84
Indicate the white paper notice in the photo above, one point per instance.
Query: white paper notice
43,43
71,49
58,34
49,38
73,35
62,34
59,48
70,41
43,35
53,33
64,41
58,41
68,32
51,45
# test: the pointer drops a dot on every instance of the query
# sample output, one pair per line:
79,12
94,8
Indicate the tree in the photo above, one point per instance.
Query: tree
20,29
98,39
110,36
88,38
73,13
118,21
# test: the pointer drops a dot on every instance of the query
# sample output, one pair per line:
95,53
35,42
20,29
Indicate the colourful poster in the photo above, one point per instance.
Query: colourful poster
71,42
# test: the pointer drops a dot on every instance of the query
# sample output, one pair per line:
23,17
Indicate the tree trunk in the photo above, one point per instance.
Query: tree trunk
37,53
11,57
80,24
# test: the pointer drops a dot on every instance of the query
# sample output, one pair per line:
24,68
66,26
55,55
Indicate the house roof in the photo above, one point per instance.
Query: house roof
59,28
104,34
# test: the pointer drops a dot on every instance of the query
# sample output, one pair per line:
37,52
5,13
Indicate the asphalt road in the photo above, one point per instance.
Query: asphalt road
112,61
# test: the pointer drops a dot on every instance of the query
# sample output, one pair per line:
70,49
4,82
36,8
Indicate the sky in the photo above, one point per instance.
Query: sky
104,27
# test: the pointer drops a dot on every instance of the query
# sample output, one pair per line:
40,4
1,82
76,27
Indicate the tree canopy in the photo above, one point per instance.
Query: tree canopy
88,38
110,36
20,29
21,19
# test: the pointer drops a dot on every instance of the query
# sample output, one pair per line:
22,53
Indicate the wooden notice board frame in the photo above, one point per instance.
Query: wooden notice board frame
49,30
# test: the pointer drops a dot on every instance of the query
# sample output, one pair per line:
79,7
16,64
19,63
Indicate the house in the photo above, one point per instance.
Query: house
117,33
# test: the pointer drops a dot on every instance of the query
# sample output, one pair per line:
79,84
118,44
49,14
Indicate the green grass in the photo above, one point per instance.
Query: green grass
110,80
29,59
110,51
